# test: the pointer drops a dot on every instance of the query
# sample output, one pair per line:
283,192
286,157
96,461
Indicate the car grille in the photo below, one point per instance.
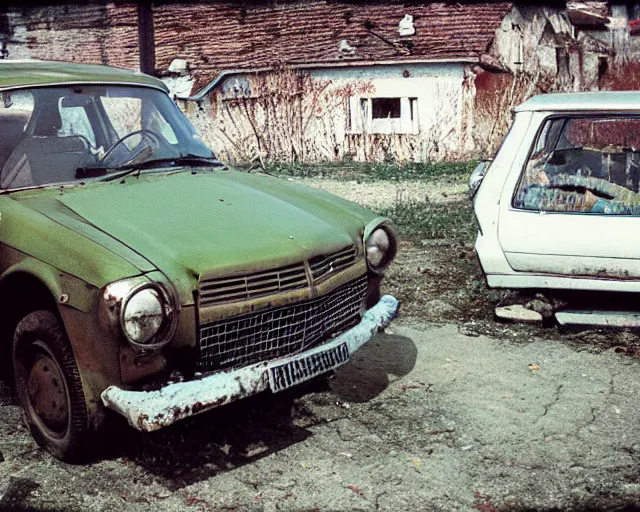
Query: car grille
277,332
229,289
322,266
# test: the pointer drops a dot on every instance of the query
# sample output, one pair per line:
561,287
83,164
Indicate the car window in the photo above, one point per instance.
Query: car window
75,122
125,114
60,134
584,164
128,115
16,109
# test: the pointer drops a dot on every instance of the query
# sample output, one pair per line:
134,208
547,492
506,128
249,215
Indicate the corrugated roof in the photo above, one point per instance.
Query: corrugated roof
215,37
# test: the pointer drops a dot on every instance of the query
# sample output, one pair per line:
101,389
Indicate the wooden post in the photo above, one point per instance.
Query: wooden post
146,40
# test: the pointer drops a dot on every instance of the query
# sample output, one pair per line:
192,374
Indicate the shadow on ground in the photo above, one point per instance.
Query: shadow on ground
243,432
367,374
14,498
213,442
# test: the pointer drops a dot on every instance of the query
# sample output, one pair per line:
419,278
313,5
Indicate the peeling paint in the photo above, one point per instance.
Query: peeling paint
152,410
595,318
179,86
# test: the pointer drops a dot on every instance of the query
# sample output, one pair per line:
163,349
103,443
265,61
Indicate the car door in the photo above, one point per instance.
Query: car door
571,204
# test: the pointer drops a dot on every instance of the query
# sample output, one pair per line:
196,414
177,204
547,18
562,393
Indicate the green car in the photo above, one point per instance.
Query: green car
140,274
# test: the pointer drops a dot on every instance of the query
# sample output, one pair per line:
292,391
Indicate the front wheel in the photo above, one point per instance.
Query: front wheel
48,387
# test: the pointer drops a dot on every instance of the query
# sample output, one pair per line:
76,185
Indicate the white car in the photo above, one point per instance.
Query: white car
559,205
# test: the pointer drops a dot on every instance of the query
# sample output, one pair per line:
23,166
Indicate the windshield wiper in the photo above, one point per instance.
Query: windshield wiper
121,172
184,160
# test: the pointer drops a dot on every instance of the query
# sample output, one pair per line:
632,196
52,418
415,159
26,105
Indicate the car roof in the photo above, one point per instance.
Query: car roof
25,73
600,100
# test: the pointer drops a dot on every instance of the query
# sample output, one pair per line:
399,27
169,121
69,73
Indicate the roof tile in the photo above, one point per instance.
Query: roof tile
215,37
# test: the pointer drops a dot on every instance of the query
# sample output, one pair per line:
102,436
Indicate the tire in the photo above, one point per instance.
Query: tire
48,387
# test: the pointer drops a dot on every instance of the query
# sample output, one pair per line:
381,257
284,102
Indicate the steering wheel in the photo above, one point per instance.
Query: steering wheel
116,156
598,186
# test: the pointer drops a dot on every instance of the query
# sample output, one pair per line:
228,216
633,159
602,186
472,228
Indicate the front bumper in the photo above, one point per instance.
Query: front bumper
152,410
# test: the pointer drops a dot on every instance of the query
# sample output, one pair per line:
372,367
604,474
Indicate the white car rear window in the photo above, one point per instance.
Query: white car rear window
585,165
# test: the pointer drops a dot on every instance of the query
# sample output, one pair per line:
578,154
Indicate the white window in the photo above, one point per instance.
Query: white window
383,115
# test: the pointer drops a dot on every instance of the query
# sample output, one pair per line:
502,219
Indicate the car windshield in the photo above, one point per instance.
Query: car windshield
62,134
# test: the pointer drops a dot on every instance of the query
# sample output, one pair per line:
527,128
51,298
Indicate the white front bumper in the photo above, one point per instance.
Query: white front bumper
153,410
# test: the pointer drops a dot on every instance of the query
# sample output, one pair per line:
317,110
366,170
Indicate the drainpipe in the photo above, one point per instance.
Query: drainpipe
146,39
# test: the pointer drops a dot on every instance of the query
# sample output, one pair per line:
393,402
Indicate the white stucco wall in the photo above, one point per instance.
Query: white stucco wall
328,128
436,87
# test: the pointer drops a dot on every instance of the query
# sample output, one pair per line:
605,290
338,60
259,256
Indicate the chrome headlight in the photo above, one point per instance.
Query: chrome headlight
381,248
143,311
142,315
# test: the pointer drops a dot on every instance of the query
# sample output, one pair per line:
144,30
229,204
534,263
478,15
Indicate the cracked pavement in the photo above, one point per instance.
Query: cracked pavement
424,417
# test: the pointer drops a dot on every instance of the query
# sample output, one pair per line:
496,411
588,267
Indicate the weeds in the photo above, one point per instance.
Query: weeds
420,220
368,171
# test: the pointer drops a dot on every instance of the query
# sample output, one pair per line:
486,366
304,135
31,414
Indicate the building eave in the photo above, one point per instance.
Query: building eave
324,65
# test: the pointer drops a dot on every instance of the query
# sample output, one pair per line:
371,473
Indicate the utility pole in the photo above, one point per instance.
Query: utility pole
146,39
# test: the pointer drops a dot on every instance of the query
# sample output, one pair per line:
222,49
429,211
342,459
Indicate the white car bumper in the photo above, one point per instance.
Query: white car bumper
153,410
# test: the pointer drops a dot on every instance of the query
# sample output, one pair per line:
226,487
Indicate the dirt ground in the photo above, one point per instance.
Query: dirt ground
447,410
382,193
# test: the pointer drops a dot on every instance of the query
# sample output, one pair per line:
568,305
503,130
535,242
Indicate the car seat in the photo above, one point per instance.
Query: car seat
42,156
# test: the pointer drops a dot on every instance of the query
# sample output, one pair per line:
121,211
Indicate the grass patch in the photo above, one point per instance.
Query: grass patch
413,219
367,172
419,220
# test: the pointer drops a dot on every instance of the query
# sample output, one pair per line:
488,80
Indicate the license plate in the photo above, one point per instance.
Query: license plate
289,374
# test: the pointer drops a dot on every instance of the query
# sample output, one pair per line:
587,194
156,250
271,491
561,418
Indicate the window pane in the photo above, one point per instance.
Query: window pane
159,125
75,122
589,165
48,133
128,115
383,108
125,114
15,112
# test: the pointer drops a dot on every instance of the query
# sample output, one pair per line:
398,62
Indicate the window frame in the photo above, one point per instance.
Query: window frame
360,120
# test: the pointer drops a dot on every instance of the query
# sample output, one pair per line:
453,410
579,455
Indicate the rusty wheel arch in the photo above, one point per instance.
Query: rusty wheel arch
20,293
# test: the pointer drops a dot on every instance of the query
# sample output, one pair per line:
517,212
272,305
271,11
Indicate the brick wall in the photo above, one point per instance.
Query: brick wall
101,33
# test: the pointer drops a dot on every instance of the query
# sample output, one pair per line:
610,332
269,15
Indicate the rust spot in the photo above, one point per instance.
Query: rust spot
209,405
134,366
243,390
141,420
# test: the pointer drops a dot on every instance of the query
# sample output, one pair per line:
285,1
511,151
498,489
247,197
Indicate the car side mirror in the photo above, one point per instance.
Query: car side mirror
476,177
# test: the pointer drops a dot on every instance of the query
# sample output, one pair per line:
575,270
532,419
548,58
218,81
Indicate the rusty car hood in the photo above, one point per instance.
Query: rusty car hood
188,222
